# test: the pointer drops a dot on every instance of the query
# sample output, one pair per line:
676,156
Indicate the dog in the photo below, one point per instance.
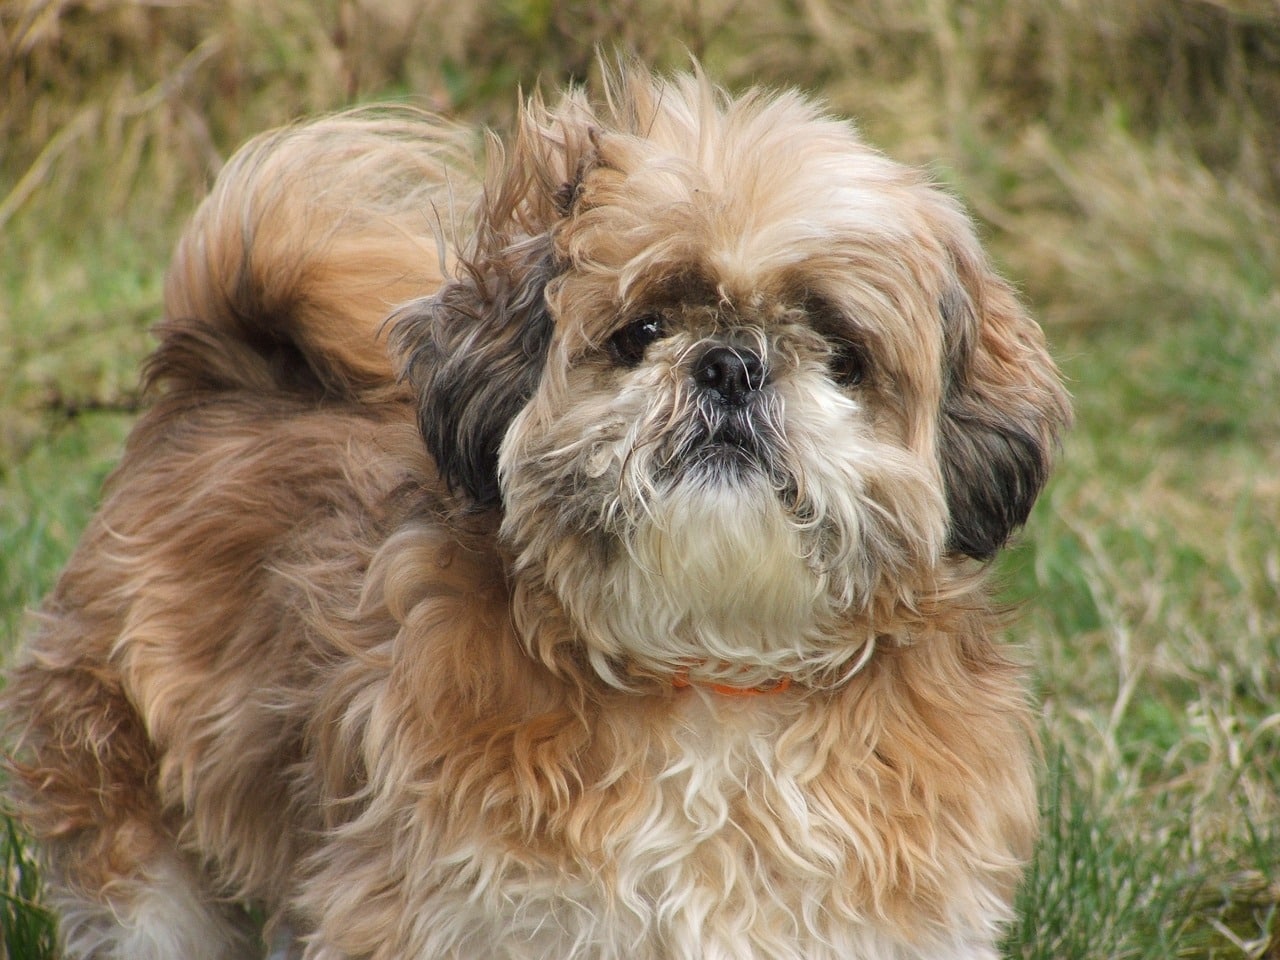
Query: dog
569,549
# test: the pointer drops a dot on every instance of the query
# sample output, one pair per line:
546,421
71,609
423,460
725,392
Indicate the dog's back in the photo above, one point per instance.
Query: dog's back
276,450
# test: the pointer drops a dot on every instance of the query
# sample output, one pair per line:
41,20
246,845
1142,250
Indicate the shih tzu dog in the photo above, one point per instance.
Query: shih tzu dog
568,551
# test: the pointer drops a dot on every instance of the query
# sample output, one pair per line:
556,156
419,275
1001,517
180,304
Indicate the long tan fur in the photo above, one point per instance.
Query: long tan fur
419,702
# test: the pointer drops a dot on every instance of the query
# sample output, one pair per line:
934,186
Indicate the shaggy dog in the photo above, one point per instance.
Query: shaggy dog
621,596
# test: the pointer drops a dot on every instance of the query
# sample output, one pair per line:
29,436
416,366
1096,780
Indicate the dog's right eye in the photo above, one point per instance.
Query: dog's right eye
848,363
629,344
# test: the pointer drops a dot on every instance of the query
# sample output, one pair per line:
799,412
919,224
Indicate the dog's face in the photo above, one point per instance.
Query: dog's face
735,380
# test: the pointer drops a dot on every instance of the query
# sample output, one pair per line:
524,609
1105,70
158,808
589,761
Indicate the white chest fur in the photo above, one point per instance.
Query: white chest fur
731,850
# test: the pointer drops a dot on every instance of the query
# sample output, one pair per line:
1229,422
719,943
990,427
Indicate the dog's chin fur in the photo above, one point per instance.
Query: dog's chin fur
743,565
627,600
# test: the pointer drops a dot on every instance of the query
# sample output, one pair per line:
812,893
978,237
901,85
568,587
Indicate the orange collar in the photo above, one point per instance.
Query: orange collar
681,681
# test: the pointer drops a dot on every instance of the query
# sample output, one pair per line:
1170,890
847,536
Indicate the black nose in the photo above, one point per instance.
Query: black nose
731,372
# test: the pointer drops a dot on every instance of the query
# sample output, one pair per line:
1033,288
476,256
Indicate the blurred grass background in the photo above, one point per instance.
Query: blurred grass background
1123,159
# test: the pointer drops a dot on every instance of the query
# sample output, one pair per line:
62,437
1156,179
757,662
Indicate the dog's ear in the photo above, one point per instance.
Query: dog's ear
473,354
475,350
1003,406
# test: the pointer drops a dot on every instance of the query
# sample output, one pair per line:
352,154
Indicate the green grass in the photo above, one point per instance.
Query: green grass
1090,890
1124,162
27,926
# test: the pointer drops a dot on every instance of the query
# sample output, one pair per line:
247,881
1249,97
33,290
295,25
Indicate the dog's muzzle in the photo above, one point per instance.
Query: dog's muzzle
732,432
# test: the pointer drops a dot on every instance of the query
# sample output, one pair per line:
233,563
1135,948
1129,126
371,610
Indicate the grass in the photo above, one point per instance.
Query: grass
28,927
1124,162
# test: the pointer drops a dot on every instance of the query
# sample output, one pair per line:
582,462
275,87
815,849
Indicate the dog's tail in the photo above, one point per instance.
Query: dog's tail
311,234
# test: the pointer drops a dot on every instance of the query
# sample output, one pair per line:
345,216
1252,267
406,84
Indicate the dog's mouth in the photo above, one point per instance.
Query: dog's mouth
731,449
724,446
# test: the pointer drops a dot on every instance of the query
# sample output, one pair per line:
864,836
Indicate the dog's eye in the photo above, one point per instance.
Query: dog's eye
848,363
630,343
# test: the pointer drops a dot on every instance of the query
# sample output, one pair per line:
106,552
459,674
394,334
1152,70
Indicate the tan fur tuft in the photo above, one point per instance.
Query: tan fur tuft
310,236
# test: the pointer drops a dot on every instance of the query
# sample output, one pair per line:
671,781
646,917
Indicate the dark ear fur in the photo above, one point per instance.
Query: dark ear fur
474,353
1002,412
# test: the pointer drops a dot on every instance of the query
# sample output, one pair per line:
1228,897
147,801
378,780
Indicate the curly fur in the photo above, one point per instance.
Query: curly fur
383,642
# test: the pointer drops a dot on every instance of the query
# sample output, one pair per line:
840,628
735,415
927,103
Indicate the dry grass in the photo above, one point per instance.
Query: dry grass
1125,162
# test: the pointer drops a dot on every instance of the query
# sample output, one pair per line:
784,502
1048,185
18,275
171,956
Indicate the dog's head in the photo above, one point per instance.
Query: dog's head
731,376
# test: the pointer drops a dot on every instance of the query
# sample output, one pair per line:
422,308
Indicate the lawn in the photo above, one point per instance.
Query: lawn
1123,161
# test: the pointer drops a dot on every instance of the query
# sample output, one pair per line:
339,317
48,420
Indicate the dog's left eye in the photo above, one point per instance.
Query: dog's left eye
630,343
